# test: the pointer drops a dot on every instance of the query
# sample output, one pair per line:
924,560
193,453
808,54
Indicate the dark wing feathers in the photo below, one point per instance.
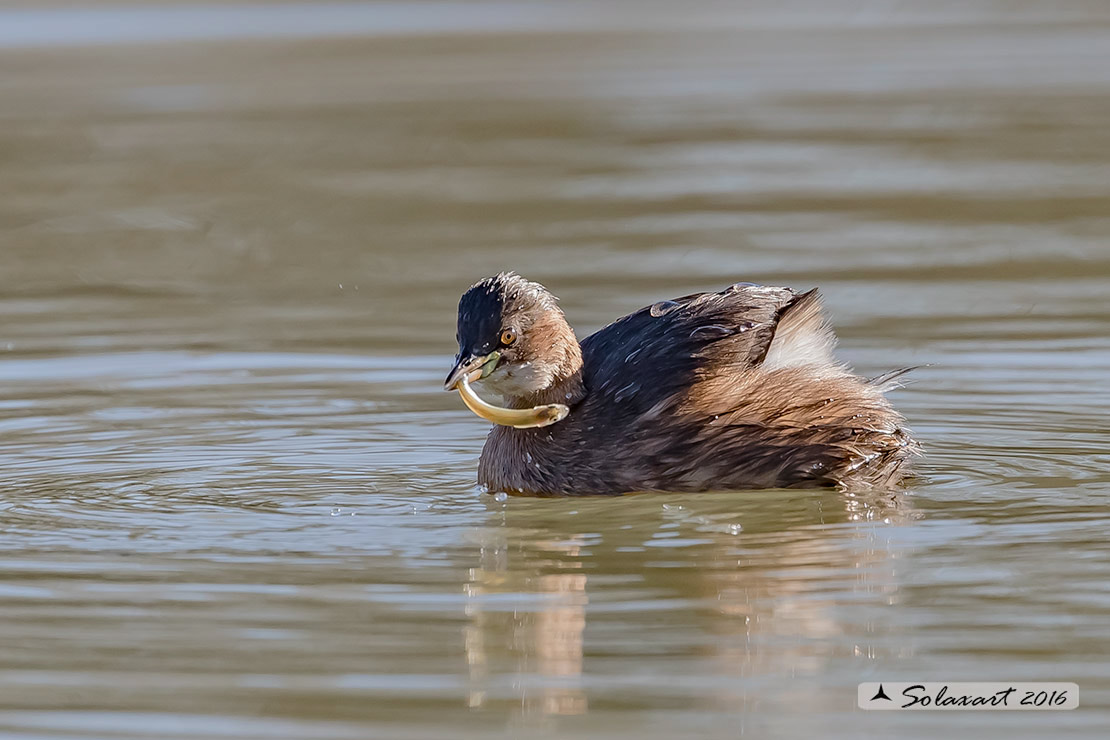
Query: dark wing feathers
657,353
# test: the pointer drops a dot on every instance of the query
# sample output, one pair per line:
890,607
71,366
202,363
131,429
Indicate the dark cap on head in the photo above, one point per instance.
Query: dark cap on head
489,303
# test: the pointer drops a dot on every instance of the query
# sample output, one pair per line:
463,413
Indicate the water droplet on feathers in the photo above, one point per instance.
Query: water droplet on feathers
662,308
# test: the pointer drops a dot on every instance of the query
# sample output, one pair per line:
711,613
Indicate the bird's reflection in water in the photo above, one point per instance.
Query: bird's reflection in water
782,600
546,639
768,575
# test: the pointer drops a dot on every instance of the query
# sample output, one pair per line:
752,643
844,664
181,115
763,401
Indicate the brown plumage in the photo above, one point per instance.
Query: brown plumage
711,391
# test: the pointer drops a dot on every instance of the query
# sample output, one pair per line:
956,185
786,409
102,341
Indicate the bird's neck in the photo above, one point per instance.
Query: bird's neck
568,391
567,385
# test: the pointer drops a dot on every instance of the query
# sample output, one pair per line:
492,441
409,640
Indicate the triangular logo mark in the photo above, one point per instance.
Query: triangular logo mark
881,694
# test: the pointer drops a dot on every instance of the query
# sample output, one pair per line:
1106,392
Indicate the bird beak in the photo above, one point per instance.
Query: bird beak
472,368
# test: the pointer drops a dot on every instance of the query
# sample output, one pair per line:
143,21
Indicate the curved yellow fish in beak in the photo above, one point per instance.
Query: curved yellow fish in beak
474,368
537,416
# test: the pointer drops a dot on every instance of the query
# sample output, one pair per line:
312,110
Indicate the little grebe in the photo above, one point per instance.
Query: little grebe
729,390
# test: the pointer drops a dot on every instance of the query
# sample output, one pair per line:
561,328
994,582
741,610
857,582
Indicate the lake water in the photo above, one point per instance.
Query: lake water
237,503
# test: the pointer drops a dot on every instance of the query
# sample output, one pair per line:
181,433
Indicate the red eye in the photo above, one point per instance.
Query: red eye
508,337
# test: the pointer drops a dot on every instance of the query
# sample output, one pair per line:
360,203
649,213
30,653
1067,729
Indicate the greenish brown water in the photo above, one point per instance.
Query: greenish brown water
236,503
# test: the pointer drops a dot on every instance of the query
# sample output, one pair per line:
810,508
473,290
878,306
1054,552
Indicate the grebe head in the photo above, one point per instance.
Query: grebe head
514,338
